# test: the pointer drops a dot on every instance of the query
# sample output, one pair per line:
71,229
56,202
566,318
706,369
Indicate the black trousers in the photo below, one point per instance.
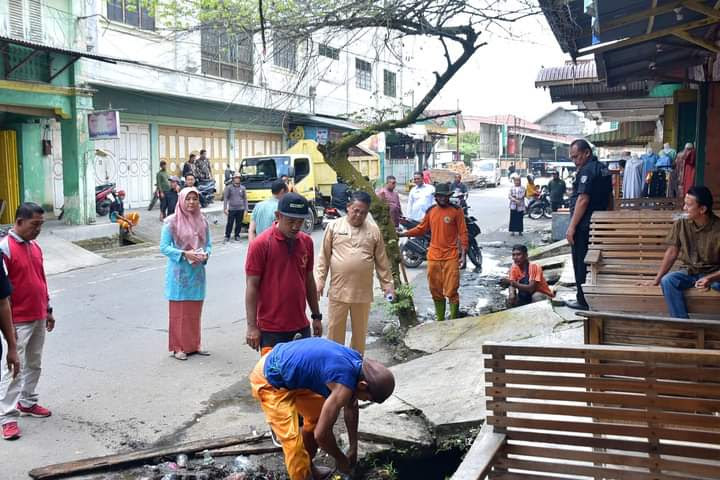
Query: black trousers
579,251
555,205
270,339
236,217
171,198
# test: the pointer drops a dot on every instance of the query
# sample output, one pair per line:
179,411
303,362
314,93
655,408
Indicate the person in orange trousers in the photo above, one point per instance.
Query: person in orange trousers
447,224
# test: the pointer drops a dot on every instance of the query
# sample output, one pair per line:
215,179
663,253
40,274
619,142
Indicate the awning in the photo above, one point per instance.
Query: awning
628,134
323,121
74,55
549,137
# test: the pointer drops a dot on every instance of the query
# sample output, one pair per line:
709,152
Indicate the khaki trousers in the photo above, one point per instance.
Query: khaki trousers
337,322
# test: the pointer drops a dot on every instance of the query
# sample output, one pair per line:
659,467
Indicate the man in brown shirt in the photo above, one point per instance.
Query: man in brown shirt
696,241
352,247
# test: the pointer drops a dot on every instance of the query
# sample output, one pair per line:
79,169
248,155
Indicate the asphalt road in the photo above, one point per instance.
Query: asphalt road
107,375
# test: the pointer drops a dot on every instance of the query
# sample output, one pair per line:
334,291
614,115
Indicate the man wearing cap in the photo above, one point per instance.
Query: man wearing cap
280,282
234,205
315,378
263,215
447,223
171,196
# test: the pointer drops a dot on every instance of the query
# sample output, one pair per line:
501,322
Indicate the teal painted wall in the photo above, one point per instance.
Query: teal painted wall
32,164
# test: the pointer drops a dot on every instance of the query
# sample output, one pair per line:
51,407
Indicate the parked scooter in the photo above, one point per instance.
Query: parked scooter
332,213
206,188
541,206
104,196
413,250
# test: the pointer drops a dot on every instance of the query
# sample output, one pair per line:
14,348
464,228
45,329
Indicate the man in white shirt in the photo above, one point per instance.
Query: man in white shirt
420,199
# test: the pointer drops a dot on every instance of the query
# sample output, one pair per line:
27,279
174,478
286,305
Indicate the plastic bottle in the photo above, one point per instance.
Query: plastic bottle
242,464
182,460
207,458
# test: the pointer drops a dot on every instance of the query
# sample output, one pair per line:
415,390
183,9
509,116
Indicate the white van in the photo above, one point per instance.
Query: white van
487,171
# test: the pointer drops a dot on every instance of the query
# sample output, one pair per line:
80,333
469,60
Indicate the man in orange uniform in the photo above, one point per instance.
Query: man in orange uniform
447,224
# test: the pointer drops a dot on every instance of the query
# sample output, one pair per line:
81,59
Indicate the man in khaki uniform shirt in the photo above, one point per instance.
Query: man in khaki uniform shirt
694,240
352,247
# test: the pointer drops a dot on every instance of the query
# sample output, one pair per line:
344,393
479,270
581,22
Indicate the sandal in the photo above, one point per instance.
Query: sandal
203,353
180,355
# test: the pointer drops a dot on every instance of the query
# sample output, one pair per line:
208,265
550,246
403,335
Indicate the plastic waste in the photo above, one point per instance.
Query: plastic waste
242,464
207,458
182,460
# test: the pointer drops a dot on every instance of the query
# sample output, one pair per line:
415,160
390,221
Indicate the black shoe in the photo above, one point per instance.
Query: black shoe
576,305
226,240
237,238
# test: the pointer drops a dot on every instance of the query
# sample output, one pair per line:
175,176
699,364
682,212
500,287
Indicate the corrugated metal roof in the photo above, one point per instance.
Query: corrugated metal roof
62,51
627,134
583,71
597,91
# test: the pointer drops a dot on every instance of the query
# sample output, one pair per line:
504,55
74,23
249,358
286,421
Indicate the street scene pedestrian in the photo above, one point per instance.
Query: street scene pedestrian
448,245
162,185
171,196
420,198
388,194
316,378
557,189
695,241
190,167
32,317
186,242
592,190
235,204
190,180
281,259
263,215
12,362
352,248
517,207
203,167
525,280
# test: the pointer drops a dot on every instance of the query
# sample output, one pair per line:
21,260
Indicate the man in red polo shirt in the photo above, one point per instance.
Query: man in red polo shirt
32,317
279,268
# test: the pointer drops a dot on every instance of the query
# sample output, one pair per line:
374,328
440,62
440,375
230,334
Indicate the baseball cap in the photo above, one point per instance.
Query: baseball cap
174,178
294,206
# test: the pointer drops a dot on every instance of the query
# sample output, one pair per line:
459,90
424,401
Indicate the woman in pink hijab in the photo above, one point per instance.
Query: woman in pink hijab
185,240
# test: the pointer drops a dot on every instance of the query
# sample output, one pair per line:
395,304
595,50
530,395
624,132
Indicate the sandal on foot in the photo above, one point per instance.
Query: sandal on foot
180,356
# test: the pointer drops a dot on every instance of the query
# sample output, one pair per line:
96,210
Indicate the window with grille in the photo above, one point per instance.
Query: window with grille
328,51
363,74
26,20
131,12
284,52
227,55
389,84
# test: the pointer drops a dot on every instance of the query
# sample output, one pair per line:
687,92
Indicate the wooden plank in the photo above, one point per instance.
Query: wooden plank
610,414
687,451
662,372
567,469
478,460
632,431
606,352
123,459
657,319
671,403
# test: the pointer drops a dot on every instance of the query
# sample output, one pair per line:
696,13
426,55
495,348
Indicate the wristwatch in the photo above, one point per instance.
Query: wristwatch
316,316
49,310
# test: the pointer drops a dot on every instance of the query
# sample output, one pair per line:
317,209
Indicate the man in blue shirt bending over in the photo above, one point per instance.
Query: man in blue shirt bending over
316,377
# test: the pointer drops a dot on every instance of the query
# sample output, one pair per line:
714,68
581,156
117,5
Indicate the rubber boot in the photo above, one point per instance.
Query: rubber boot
440,310
454,310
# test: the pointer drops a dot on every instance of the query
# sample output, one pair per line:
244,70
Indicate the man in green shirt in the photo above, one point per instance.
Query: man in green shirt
162,183
263,214
557,189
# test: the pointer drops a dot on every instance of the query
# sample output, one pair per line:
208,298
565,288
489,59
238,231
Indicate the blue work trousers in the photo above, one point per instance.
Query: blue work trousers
673,285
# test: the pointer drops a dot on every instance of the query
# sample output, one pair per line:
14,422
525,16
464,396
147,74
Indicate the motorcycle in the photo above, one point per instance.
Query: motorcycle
332,213
206,188
413,250
474,252
104,196
537,208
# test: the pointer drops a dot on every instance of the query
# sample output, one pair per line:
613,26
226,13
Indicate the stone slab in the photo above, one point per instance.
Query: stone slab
442,392
61,255
469,333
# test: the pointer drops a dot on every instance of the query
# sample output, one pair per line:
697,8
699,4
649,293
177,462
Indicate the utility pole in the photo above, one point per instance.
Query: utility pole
457,131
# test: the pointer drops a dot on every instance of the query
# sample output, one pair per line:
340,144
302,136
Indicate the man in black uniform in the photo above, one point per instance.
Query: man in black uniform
592,190
6,325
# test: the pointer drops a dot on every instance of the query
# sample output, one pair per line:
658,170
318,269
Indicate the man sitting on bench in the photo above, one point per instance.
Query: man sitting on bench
526,280
695,239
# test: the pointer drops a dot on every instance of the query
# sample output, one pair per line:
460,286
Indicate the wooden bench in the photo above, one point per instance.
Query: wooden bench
599,412
626,249
612,328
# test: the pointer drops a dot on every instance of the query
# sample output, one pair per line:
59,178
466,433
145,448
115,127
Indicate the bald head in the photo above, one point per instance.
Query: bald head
380,380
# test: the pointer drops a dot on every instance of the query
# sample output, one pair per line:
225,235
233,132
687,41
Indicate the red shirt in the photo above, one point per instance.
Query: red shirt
24,263
282,271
